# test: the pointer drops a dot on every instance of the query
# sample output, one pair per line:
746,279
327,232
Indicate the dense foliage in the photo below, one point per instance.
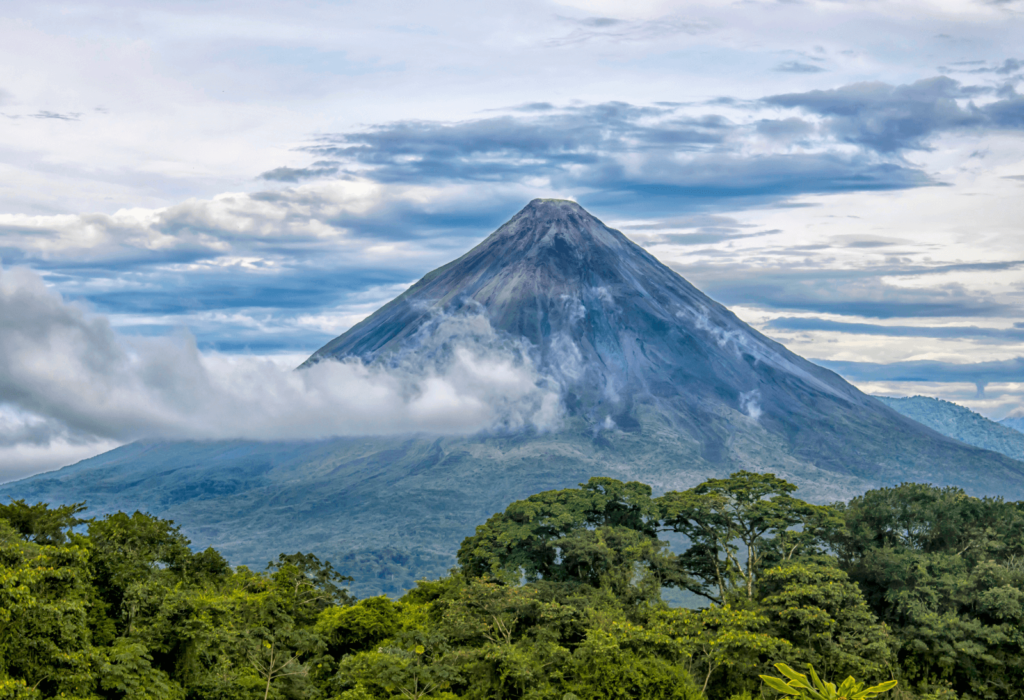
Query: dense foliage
558,597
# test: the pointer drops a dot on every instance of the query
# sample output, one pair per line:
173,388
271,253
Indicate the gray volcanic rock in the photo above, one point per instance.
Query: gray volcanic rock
660,384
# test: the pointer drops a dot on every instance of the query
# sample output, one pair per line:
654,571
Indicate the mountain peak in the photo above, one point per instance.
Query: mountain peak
605,319
548,204
558,227
554,210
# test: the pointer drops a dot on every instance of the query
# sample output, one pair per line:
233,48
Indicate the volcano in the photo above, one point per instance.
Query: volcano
635,346
657,383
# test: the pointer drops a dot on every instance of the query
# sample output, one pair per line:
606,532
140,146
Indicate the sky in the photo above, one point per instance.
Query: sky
196,195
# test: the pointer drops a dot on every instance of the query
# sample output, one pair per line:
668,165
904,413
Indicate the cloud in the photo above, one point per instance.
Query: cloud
65,116
617,154
266,271
317,170
1007,113
859,291
271,270
1009,66
22,460
890,118
979,373
67,378
619,30
792,130
955,332
797,67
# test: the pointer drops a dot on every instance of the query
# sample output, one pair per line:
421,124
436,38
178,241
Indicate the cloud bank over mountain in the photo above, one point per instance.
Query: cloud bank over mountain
67,378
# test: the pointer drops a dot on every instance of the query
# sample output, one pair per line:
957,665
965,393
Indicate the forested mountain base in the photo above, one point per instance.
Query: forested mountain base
557,597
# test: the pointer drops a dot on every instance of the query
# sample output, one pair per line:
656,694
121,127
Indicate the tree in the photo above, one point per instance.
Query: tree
358,627
44,597
603,668
126,672
747,508
271,664
826,620
413,666
932,520
312,584
723,637
940,569
40,523
603,533
130,554
508,641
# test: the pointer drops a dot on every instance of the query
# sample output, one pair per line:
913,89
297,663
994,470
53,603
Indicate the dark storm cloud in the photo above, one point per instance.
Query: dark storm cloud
979,373
624,156
947,332
617,148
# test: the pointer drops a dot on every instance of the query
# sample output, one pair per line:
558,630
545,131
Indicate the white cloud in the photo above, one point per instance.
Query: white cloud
67,379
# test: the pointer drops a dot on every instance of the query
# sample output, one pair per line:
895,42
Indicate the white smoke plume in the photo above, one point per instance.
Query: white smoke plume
750,402
67,378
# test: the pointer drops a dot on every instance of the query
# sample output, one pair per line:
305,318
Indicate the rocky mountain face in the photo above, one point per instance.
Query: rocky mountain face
960,423
655,381
632,343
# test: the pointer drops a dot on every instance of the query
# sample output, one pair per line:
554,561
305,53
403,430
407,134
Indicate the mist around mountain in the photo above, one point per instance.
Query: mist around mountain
635,374
960,423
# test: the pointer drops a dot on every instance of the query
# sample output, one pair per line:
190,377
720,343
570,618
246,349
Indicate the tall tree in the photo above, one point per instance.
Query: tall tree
603,533
733,525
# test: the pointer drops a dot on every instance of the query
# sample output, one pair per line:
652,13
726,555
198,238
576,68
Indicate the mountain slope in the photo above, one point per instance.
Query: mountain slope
1014,423
960,423
658,383
618,330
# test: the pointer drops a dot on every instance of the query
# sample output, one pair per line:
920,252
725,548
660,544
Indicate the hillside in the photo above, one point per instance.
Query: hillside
1014,423
961,424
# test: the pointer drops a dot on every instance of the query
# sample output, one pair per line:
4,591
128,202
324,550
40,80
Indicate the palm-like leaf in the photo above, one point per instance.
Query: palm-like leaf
875,690
797,680
849,689
777,685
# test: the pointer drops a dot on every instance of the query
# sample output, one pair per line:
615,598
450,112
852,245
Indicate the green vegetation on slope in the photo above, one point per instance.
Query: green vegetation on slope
959,423
557,597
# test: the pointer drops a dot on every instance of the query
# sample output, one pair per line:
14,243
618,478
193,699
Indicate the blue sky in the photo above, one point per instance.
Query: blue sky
847,176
